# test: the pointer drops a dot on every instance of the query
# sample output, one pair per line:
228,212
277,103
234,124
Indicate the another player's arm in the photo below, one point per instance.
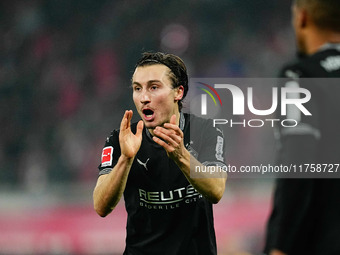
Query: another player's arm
110,187
172,141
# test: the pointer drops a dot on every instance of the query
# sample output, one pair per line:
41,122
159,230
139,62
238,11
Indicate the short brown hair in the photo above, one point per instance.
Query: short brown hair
325,13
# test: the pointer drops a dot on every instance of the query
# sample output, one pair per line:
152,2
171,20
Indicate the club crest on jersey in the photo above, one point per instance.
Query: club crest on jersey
107,156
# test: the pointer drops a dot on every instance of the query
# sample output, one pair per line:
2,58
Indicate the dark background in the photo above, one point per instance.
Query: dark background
65,69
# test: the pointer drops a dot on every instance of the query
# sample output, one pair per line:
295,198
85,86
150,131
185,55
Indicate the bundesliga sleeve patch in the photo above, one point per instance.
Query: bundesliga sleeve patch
107,156
219,149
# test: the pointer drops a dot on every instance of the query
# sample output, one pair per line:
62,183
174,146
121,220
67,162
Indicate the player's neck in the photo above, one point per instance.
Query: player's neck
317,38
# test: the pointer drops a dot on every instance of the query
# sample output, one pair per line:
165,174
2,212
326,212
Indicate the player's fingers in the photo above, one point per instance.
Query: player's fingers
171,133
126,121
174,127
162,143
167,138
176,137
129,117
165,130
123,123
139,128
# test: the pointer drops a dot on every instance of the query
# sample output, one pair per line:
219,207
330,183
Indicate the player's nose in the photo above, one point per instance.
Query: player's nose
145,97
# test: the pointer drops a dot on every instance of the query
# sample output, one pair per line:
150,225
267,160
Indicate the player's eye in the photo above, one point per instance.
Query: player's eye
154,87
137,89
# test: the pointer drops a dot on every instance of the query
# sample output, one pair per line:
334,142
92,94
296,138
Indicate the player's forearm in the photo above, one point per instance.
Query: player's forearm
211,188
110,188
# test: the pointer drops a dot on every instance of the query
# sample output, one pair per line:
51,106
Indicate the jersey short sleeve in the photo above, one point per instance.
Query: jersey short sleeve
110,153
211,142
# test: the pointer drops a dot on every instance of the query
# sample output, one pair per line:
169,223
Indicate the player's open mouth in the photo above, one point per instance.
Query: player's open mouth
148,114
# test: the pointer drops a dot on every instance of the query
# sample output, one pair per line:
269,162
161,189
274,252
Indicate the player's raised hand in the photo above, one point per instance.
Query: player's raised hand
171,139
129,142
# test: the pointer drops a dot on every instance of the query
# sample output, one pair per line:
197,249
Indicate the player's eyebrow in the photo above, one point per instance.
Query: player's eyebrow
148,82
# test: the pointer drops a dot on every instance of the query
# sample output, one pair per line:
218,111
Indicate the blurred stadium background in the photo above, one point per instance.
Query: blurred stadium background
64,84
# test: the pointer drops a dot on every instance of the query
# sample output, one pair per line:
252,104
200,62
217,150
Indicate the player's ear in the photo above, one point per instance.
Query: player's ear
179,92
302,18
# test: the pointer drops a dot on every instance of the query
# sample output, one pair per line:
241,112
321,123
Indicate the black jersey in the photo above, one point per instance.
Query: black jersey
166,215
306,212
319,74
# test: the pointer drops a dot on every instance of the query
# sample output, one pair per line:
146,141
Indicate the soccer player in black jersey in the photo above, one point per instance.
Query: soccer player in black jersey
150,162
306,212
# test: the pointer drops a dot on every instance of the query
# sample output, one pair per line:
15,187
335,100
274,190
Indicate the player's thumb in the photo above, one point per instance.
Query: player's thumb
173,119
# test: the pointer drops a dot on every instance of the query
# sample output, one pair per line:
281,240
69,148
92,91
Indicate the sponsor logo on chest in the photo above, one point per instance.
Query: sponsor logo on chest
163,200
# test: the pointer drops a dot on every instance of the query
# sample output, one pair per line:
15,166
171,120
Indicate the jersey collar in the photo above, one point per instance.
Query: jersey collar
330,46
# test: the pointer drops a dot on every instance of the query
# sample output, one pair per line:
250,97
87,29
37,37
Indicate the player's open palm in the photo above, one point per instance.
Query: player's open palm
129,142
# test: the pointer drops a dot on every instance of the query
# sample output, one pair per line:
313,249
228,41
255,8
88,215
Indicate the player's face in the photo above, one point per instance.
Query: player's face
154,97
